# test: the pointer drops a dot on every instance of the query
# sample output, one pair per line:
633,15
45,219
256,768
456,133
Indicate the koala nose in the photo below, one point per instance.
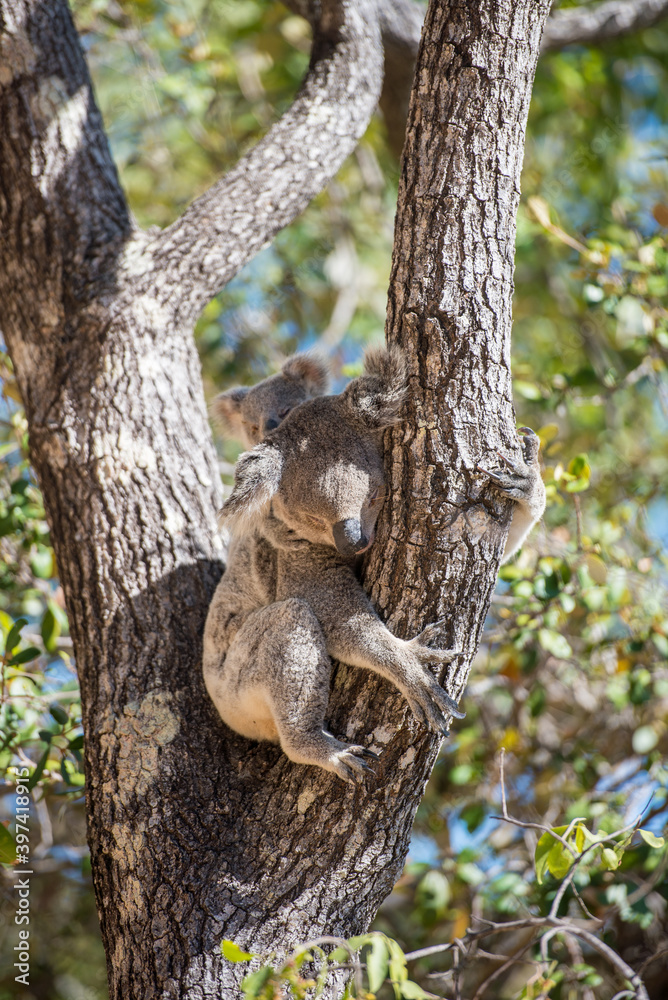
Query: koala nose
349,537
270,424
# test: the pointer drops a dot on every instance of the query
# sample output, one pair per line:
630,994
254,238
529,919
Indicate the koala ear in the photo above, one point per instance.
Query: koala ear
310,369
375,398
256,480
226,409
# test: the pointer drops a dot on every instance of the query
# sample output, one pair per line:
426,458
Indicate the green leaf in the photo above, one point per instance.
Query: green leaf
41,562
77,743
398,973
37,773
233,953
651,838
31,653
359,941
554,643
254,981
583,837
7,846
377,963
545,860
339,955
411,991
14,634
559,860
58,713
644,739
610,858
50,630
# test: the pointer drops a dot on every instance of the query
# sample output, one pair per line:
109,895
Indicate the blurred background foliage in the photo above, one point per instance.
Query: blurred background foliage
572,677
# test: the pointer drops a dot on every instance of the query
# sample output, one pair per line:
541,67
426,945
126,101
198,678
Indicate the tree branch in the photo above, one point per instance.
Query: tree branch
401,26
602,23
224,228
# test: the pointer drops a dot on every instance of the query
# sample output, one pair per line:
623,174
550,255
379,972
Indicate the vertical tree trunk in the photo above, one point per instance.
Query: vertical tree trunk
197,834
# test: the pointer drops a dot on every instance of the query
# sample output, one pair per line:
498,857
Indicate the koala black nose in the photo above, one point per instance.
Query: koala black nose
349,537
270,425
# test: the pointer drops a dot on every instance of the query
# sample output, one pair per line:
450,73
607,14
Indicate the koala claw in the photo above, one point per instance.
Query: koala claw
348,765
530,444
433,654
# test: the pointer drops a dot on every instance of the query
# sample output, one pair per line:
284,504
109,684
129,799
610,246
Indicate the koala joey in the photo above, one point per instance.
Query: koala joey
307,499
250,413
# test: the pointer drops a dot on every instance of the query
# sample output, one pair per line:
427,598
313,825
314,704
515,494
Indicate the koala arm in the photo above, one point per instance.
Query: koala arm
355,634
522,482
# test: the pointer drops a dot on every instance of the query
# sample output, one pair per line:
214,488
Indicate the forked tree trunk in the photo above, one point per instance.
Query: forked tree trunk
196,834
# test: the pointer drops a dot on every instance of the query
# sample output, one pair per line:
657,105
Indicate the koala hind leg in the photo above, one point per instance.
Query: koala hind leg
274,685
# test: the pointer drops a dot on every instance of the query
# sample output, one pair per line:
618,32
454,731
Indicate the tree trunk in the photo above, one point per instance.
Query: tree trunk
196,834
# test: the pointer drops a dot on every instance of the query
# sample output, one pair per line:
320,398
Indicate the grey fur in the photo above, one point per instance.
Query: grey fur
249,414
290,601
523,483
306,500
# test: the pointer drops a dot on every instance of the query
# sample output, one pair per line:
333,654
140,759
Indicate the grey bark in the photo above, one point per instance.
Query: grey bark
196,834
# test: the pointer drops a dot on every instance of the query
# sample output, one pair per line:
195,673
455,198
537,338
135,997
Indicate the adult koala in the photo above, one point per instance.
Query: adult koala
308,499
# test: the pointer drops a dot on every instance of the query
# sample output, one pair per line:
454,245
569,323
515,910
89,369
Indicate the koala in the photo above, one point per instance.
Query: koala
521,482
307,500
303,507
250,413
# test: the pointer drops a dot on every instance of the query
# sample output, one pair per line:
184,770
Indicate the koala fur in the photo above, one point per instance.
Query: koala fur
523,483
250,413
307,500
304,505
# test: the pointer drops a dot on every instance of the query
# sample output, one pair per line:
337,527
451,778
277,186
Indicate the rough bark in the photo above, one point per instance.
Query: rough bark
196,834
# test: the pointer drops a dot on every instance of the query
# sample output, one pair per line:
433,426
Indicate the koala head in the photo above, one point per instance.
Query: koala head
250,413
321,471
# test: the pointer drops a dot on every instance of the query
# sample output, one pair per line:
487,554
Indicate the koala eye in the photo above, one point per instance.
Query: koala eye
317,522
255,429
283,413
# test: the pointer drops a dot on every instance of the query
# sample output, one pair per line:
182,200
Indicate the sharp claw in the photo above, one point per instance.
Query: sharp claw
369,753
452,708
489,472
528,431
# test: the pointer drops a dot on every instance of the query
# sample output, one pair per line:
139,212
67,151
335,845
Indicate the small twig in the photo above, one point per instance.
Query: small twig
575,951
652,958
521,823
585,909
511,960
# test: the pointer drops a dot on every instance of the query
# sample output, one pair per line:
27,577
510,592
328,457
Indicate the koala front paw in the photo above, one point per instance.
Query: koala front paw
520,481
347,763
